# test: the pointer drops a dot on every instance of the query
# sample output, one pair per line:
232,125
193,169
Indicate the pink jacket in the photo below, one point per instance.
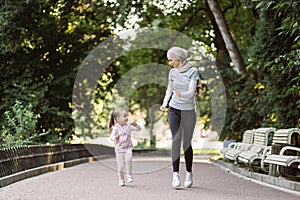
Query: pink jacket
124,143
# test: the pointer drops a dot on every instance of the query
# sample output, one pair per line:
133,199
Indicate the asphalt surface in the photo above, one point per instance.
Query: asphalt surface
152,180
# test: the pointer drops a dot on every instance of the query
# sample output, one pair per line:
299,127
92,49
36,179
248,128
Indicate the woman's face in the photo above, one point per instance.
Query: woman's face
174,63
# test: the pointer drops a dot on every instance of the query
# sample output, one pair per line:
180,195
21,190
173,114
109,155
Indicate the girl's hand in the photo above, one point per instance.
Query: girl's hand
133,124
117,137
162,108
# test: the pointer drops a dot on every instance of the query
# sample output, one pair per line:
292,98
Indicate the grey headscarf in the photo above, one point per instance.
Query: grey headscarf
178,53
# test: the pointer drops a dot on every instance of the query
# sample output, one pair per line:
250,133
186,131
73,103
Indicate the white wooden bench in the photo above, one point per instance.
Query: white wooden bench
234,148
252,154
270,161
247,139
286,161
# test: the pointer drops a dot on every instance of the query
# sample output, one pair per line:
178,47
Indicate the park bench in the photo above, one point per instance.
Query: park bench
282,159
235,148
252,154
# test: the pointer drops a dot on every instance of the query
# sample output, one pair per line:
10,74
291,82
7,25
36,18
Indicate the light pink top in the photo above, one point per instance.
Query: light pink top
124,143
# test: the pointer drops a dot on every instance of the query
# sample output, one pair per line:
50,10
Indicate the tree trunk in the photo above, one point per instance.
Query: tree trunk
222,56
231,46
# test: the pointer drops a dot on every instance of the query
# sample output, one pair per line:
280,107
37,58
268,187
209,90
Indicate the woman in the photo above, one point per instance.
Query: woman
183,79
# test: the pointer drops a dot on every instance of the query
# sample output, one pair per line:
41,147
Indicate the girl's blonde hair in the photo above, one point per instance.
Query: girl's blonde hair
114,115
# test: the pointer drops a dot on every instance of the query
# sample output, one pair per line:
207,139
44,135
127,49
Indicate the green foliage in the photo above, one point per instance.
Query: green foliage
270,97
42,44
278,67
44,41
19,126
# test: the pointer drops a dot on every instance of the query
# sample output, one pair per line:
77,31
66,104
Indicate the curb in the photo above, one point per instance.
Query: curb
280,182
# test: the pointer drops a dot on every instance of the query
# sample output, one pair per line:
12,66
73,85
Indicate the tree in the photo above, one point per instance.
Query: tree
42,45
275,64
227,37
41,54
191,18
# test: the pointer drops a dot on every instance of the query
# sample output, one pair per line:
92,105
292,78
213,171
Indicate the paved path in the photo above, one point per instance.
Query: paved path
152,180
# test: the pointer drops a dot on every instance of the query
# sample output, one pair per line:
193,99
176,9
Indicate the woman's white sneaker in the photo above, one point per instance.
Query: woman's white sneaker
176,180
188,180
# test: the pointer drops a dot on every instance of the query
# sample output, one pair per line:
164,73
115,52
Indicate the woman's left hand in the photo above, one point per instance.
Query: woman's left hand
177,92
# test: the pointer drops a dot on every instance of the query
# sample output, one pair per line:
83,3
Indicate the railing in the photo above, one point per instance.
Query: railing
17,159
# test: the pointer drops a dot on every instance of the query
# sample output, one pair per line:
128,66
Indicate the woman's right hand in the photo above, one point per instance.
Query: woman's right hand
162,108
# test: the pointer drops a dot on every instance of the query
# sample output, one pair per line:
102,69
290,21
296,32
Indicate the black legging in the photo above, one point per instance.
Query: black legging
182,122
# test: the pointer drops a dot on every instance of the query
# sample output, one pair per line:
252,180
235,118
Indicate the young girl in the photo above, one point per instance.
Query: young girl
121,136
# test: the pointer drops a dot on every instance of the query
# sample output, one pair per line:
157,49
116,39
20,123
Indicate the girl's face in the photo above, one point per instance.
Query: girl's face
122,119
174,63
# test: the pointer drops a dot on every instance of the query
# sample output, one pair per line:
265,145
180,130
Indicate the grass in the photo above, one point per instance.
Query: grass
206,151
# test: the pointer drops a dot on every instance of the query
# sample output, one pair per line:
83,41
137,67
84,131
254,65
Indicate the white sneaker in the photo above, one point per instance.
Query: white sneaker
188,180
121,182
129,179
176,180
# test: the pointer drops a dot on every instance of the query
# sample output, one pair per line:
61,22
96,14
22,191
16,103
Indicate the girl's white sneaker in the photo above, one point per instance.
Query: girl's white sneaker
188,180
129,179
121,182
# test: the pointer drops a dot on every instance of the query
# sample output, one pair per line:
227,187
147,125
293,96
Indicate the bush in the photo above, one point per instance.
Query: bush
20,126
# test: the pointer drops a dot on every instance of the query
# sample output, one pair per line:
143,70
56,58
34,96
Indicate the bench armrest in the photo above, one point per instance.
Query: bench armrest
264,155
288,148
232,145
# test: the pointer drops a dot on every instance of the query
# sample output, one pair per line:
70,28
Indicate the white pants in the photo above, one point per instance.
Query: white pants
124,161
